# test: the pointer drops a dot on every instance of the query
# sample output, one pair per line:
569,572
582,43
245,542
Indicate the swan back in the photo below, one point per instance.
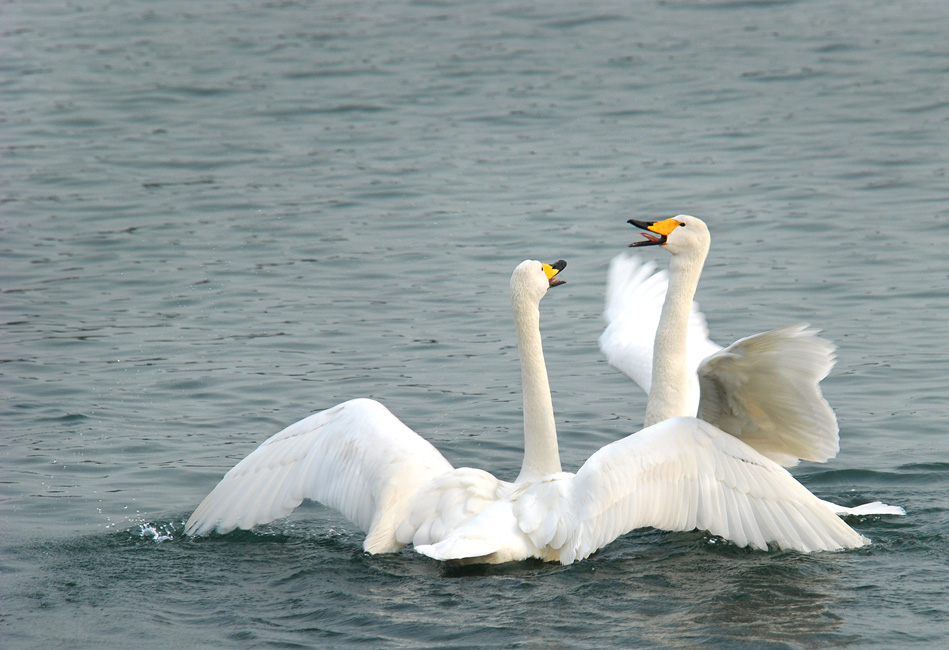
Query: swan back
680,474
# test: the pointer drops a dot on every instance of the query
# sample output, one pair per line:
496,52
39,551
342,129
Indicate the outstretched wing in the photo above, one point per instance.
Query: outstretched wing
355,457
764,390
635,292
683,474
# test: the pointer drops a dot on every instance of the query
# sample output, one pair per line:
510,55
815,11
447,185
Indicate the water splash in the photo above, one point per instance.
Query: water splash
155,532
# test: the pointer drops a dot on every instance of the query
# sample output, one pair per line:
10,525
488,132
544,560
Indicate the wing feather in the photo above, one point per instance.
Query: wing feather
355,457
739,494
764,389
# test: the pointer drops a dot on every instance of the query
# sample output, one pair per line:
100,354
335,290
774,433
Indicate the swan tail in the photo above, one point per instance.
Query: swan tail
447,503
459,549
872,508
491,538
534,520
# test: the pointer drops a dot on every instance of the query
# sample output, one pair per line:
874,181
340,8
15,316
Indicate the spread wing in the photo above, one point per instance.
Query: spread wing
683,474
764,389
355,457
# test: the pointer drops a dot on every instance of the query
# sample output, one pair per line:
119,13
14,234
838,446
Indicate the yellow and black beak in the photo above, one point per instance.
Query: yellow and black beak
551,270
661,228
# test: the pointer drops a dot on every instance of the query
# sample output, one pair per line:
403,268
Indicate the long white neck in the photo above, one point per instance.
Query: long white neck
541,454
669,392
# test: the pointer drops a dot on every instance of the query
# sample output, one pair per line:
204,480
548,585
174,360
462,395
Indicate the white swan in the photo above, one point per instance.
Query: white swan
763,389
679,474
363,461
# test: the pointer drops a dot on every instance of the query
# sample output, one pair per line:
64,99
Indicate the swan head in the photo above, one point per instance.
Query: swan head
531,280
681,234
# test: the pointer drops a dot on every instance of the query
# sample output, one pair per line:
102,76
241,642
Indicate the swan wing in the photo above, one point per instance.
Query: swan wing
684,474
764,390
635,293
355,457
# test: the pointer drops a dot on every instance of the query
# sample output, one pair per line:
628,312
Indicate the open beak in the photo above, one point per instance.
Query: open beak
552,270
660,228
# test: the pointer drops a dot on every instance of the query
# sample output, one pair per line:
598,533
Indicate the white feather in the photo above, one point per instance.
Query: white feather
363,461
763,388
680,474
635,292
356,457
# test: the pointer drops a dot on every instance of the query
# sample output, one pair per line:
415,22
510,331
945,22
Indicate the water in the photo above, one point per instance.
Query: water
219,217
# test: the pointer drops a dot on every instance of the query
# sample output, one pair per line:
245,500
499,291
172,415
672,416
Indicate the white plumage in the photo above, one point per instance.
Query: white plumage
635,293
679,474
355,457
360,459
763,389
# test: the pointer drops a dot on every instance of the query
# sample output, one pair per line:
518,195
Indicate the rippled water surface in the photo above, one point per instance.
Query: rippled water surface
219,217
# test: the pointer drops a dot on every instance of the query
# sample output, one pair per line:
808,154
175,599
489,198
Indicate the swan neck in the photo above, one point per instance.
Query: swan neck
669,392
541,454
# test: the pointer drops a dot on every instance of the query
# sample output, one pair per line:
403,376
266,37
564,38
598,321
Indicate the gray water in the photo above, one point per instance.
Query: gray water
219,217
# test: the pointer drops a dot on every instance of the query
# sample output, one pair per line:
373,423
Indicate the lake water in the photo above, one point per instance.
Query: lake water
219,217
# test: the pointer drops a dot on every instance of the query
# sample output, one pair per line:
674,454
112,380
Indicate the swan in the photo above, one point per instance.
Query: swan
763,389
360,459
680,474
